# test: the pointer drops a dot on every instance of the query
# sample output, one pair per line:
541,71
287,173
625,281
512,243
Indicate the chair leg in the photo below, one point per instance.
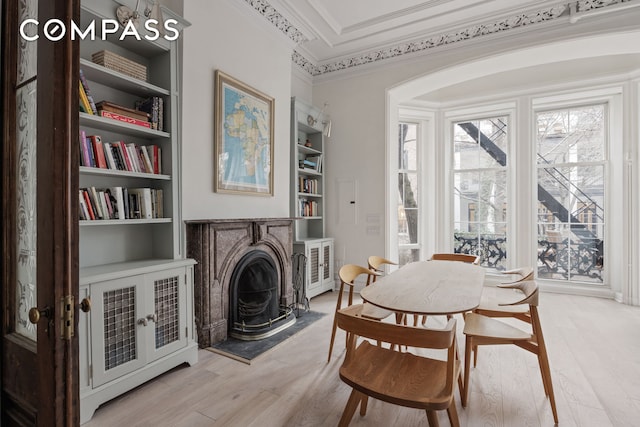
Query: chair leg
543,360
350,408
335,321
467,355
452,411
475,356
432,417
545,370
363,405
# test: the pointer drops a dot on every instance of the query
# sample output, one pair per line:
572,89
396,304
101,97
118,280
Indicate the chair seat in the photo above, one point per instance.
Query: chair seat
399,378
479,325
371,311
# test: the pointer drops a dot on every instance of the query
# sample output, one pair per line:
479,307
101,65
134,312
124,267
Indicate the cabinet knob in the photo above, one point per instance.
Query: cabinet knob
85,305
142,322
35,313
152,317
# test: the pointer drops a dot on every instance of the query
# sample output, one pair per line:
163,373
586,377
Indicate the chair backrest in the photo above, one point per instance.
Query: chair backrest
530,290
525,273
350,320
349,272
468,258
375,262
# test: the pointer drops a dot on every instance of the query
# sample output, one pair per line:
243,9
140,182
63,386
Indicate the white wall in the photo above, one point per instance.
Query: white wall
228,36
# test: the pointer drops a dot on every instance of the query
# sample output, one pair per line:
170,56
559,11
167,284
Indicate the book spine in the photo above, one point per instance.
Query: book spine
115,151
125,155
126,119
85,149
103,205
84,213
147,160
92,157
87,200
95,202
117,202
87,92
125,199
133,156
84,101
98,151
156,169
108,154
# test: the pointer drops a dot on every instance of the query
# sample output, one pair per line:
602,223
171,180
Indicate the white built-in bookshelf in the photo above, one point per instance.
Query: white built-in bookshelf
132,266
308,196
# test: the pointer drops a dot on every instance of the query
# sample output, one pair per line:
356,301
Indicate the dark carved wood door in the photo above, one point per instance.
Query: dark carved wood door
39,350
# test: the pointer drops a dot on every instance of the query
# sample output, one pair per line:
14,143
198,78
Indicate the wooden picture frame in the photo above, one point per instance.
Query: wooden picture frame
243,141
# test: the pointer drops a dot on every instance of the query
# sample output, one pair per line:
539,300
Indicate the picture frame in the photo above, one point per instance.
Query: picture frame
243,141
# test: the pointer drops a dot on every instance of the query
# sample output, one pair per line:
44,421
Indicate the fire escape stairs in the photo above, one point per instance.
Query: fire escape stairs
551,203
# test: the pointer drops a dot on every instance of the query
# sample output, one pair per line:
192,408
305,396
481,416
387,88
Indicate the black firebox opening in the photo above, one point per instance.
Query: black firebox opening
254,308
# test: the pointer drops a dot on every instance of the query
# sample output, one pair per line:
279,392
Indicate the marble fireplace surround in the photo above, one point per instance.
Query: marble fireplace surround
217,245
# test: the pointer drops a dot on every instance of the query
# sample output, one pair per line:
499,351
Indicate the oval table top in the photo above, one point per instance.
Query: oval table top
428,287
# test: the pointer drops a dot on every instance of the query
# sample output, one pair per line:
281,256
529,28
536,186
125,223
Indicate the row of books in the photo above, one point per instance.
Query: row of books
148,112
308,207
312,162
119,155
307,185
120,203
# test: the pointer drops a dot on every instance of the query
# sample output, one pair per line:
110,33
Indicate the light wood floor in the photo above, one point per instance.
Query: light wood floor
593,344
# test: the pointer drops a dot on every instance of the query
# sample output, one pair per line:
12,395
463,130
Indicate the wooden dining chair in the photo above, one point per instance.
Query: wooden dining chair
348,274
400,378
490,304
375,263
483,330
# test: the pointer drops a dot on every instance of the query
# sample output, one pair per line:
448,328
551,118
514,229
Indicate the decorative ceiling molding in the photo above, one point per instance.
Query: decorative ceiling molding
585,5
509,23
280,22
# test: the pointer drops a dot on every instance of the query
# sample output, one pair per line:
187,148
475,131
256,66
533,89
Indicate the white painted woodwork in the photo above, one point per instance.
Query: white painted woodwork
139,258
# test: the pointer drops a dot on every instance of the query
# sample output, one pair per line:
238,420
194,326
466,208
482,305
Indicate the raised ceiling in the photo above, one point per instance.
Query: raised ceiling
333,35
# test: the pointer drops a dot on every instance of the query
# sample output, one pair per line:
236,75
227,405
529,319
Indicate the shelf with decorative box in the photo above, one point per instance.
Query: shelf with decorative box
132,264
308,125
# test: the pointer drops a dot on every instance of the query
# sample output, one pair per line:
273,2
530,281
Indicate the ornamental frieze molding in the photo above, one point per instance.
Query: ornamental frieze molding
517,21
280,22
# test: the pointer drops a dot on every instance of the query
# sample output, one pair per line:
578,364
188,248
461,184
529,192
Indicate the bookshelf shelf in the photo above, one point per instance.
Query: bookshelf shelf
309,172
102,222
119,81
103,123
135,264
309,195
124,174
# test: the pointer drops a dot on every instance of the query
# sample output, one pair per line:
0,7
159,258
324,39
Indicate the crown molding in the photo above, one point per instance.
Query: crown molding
572,11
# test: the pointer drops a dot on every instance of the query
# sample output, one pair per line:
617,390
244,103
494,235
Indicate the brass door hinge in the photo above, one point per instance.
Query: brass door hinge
66,315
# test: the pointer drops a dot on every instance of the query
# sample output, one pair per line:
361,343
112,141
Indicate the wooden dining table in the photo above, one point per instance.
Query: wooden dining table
428,288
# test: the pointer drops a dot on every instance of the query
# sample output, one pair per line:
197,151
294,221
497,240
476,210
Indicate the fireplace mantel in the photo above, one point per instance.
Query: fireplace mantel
217,245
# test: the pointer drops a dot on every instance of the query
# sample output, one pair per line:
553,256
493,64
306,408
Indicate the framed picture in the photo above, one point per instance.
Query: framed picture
243,138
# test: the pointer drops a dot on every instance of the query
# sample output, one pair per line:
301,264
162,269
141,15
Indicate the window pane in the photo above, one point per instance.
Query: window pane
480,143
572,135
571,197
408,146
408,191
480,189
